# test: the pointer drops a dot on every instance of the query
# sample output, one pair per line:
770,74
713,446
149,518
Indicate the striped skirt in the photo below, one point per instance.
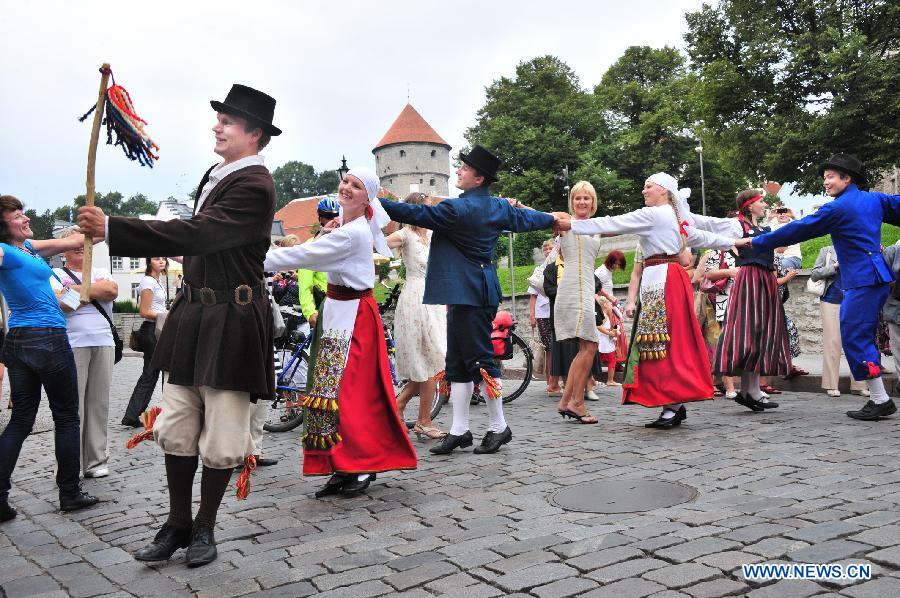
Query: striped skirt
754,337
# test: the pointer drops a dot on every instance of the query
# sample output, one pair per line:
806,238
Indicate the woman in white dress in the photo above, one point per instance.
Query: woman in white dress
667,361
420,331
351,428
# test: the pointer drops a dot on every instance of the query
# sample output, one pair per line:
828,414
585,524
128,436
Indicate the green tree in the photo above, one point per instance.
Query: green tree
41,224
783,84
538,122
138,204
295,179
110,203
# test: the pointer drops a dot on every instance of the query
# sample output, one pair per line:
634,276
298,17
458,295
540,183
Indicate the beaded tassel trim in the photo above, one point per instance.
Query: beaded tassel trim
148,418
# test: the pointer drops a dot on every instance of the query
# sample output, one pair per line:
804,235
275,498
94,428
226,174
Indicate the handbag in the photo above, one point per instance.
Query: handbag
134,341
117,342
817,287
714,287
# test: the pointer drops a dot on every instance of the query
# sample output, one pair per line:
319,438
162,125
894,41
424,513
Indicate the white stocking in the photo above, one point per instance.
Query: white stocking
877,392
460,395
495,411
753,390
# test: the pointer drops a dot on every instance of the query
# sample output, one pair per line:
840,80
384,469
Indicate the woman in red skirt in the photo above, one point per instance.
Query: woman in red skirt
667,363
351,427
754,339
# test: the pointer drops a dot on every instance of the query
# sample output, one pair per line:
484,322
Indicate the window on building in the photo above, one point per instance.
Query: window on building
433,153
115,262
421,181
431,182
135,293
402,153
135,263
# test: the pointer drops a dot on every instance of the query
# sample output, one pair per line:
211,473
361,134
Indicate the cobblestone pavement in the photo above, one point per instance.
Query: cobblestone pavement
802,483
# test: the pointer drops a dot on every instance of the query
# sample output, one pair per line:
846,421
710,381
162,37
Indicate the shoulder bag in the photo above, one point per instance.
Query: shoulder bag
117,342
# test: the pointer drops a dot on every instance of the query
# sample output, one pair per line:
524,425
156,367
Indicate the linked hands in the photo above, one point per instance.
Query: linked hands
92,221
562,222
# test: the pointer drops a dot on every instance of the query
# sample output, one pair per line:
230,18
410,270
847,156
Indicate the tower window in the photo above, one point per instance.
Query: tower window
433,153
421,181
402,153
431,182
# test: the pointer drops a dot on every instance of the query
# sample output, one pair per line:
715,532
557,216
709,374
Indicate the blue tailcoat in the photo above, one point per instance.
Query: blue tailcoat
854,221
466,229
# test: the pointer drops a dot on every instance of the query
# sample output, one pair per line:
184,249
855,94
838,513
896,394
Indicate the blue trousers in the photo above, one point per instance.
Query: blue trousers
469,345
860,309
37,357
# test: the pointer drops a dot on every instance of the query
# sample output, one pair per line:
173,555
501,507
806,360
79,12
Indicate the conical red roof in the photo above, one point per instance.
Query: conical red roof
410,127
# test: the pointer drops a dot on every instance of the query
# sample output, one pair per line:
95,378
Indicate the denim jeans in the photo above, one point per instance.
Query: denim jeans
36,357
790,263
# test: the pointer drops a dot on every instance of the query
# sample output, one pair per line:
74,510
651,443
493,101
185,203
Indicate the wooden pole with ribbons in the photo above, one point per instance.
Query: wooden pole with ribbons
91,167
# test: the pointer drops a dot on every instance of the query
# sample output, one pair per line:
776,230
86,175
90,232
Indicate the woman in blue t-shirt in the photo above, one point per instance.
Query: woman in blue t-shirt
37,353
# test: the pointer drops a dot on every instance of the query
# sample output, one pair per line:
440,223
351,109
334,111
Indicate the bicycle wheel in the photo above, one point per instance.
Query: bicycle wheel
285,412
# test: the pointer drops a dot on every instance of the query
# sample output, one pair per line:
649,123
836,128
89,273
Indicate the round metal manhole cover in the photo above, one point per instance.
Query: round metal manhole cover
622,496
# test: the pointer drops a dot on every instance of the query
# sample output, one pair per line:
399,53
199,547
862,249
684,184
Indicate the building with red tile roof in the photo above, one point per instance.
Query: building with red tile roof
411,157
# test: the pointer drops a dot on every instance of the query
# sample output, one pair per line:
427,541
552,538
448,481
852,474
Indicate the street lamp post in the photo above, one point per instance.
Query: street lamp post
343,170
699,150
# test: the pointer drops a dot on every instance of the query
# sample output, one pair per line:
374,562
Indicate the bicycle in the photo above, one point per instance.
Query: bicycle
292,352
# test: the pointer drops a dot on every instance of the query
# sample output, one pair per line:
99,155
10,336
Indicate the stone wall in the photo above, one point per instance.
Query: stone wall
125,323
417,167
802,307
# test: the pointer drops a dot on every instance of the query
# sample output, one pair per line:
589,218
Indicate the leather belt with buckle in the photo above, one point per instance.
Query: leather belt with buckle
242,295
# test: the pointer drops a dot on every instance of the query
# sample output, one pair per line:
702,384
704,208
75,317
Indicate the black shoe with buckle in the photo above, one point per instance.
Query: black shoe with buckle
333,485
202,549
873,411
451,442
492,442
168,539
749,402
356,486
79,500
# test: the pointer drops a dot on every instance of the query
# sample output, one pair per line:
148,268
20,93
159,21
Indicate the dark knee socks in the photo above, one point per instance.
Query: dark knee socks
180,475
213,484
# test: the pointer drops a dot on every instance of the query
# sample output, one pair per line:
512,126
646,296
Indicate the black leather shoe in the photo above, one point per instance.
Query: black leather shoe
665,423
265,462
202,549
333,485
749,402
77,501
492,442
6,511
356,486
769,405
872,411
451,442
132,423
168,539
680,416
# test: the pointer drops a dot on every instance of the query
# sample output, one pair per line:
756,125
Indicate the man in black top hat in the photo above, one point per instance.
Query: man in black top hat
216,347
462,276
854,221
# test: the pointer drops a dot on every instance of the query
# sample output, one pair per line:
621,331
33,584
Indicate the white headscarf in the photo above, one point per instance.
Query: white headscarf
377,218
670,183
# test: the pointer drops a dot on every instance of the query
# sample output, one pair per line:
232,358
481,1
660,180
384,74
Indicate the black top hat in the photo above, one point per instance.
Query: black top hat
848,164
251,104
483,161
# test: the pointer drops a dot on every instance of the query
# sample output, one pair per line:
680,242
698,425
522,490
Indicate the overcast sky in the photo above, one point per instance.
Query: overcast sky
339,71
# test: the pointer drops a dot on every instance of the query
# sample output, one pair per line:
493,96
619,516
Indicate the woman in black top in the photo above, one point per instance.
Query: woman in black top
754,340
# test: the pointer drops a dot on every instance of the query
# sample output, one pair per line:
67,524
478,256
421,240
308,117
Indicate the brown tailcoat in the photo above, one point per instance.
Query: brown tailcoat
225,346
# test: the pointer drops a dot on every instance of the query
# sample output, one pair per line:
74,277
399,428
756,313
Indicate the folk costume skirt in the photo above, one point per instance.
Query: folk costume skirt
666,372
754,337
350,411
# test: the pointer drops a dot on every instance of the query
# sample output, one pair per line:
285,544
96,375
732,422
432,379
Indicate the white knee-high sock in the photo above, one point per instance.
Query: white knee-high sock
460,395
670,410
495,412
877,393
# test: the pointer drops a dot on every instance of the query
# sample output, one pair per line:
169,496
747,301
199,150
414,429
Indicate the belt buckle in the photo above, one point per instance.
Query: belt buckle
243,294
207,296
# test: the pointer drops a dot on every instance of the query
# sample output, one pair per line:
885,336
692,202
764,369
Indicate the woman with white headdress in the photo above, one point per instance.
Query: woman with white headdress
351,427
667,361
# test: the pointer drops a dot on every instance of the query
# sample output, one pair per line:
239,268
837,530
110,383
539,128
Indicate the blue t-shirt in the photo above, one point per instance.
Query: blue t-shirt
25,282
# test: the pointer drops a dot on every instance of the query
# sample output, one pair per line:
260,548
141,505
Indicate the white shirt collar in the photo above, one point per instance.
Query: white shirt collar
222,170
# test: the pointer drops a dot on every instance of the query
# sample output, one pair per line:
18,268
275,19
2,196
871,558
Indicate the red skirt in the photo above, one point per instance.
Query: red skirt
683,375
373,439
754,337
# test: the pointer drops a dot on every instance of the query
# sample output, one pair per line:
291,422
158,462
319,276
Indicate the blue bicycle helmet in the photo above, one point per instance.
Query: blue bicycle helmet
328,207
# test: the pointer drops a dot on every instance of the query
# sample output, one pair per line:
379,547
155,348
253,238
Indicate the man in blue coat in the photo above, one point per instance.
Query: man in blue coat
854,221
462,276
